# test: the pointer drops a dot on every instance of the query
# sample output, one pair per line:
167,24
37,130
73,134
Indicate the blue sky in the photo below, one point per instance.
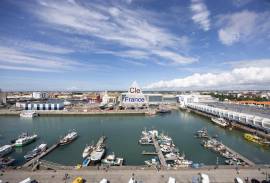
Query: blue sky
98,45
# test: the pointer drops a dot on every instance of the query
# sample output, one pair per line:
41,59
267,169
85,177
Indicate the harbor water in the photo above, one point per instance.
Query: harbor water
123,133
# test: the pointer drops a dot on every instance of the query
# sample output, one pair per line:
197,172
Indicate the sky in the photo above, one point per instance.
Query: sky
106,45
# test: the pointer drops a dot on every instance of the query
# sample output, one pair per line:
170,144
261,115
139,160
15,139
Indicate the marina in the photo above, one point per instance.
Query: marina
180,125
232,157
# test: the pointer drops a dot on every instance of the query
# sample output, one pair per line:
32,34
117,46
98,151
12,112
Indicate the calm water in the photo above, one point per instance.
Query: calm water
123,133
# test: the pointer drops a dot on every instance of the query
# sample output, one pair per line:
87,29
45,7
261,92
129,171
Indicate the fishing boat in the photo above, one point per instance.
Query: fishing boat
4,150
35,152
86,162
256,139
28,114
87,151
69,138
220,121
25,139
6,161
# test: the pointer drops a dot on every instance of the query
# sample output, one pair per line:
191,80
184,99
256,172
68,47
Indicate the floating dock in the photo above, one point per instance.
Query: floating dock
149,153
159,152
37,158
241,157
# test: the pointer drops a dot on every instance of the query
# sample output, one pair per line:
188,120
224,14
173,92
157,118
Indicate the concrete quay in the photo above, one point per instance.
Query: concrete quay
218,175
74,113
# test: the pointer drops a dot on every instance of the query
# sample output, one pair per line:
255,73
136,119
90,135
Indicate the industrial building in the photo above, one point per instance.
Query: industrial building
40,106
238,114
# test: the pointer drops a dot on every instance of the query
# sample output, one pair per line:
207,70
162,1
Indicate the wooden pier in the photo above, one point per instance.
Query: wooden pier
159,152
149,153
37,158
239,156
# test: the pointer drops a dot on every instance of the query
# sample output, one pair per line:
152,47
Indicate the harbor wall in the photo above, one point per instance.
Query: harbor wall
74,113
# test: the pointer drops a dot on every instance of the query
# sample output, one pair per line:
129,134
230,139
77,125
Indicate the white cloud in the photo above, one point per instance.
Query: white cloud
21,59
244,77
129,29
200,14
250,63
242,26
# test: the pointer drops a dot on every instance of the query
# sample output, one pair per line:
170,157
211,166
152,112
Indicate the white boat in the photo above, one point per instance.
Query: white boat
4,150
24,140
87,151
97,154
109,159
35,152
69,138
28,114
152,162
220,121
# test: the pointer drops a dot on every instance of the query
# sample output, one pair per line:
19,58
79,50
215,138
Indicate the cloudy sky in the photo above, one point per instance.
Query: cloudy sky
97,45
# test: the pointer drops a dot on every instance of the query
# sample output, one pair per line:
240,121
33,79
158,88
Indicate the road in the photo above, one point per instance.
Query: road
141,175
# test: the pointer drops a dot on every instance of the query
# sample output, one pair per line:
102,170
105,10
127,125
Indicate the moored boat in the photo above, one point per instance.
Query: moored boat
7,161
25,139
86,162
256,139
35,152
97,154
87,151
68,138
4,150
28,114
220,121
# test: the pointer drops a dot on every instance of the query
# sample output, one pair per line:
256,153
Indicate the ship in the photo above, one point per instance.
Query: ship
220,121
87,151
256,139
4,150
35,152
25,139
68,138
97,154
28,114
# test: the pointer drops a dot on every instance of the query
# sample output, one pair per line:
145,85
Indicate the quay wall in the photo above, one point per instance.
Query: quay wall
73,113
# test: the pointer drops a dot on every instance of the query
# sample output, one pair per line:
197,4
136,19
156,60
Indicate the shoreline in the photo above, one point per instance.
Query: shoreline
76,113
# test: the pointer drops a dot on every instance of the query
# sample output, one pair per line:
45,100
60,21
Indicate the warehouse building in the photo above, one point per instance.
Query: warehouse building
40,106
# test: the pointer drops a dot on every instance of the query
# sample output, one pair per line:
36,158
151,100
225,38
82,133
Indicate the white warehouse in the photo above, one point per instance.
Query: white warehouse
247,119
